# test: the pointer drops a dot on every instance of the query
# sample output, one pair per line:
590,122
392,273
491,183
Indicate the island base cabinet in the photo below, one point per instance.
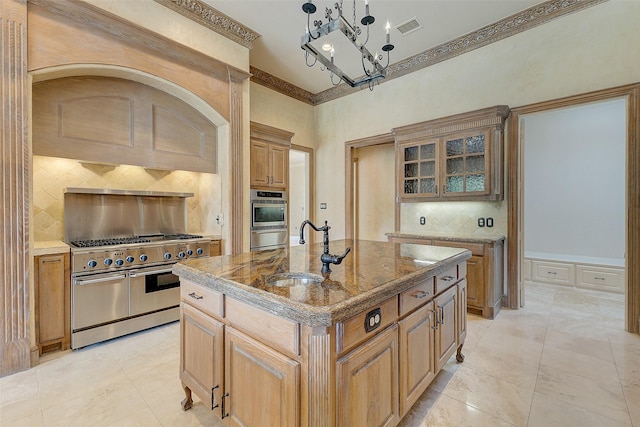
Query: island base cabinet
367,383
446,333
417,368
262,385
201,358
462,318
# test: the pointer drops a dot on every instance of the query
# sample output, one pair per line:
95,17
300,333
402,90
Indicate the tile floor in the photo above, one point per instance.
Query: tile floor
563,360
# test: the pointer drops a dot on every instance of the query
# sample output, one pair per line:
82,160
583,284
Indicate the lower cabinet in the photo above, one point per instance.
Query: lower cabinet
262,385
446,340
52,280
417,367
367,383
201,357
462,312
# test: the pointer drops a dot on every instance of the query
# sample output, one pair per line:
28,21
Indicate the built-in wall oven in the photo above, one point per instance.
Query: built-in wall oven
269,228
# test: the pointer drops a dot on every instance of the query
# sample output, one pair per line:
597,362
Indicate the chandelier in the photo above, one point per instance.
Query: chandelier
372,66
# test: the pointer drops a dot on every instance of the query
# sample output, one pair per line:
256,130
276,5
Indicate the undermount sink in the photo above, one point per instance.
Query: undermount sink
293,279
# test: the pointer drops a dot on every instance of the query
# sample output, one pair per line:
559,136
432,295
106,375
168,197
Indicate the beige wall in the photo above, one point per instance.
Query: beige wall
569,55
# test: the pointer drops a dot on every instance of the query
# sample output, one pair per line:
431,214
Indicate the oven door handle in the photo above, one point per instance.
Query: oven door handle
142,273
101,279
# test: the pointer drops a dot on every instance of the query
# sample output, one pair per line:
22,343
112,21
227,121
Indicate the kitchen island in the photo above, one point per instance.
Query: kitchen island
267,340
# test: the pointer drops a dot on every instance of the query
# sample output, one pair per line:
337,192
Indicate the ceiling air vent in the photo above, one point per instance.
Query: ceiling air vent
409,26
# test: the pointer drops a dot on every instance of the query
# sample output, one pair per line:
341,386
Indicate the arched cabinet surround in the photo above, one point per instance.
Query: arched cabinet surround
112,120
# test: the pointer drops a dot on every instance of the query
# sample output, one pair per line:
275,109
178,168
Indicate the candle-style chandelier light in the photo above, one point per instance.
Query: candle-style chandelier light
372,66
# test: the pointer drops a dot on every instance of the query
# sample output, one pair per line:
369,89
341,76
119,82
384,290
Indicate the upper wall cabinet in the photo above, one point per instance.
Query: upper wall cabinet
453,158
269,157
118,121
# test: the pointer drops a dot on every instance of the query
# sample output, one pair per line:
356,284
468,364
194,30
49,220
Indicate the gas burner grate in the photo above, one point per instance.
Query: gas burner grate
90,243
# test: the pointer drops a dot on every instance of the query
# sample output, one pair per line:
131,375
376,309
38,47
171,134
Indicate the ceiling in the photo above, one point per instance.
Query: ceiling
281,25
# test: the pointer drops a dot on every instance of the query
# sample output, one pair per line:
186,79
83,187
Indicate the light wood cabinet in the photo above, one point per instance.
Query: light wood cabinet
269,154
216,248
201,357
462,313
417,367
262,385
52,296
453,158
367,383
446,340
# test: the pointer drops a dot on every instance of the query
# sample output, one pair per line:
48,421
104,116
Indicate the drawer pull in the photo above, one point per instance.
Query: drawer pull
598,278
421,294
552,272
447,278
195,296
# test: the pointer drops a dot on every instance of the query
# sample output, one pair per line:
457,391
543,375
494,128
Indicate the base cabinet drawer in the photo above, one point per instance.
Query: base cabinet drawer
600,278
553,272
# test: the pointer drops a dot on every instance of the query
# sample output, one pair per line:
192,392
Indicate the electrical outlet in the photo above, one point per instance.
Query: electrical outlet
489,222
372,320
323,206
423,220
480,222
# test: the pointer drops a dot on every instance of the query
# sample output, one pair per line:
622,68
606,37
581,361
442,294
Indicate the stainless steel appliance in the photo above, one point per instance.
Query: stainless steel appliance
123,246
269,228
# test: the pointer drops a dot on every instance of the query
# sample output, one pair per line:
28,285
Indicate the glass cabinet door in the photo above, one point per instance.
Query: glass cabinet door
419,169
466,164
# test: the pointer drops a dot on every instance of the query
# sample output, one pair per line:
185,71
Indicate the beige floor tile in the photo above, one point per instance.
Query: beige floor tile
628,364
448,412
525,316
623,338
33,419
597,348
520,369
603,398
18,395
551,412
417,414
519,330
142,418
579,364
445,375
632,396
505,346
491,395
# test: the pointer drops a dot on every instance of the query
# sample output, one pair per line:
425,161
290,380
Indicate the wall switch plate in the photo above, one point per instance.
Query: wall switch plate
323,206
489,222
220,219
480,222
423,220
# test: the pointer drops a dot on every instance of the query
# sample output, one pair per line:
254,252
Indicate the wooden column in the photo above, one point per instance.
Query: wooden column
14,199
235,154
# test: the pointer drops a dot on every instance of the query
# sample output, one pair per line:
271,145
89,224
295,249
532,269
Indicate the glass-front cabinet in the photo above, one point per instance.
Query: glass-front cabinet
455,158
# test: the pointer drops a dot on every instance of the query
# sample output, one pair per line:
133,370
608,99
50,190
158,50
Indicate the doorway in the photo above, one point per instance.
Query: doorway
300,190
574,198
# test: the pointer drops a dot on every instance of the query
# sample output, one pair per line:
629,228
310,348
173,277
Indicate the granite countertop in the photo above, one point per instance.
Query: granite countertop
50,247
451,237
370,274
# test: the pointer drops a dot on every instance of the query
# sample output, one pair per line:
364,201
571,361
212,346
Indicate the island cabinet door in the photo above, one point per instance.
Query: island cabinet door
417,367
446,310
201,356
462,311
367,383
262,385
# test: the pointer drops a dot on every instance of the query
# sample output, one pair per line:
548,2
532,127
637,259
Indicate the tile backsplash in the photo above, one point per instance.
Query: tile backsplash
454,218
52,175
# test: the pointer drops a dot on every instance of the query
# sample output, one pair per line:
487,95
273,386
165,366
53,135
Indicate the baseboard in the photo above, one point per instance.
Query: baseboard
34,356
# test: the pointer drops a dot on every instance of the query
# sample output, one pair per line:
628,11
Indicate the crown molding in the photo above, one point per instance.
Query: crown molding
512,25
213,19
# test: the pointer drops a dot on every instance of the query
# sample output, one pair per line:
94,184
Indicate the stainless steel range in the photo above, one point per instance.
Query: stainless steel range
123,283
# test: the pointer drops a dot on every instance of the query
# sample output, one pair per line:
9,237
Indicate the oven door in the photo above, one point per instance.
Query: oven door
269,214
100,298
153,289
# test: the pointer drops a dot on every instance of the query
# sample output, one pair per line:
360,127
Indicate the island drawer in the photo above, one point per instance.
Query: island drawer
204,299
278,333
363,326
446,278
417,296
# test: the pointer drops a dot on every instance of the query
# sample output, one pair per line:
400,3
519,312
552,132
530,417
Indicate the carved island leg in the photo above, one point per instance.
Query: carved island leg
187,403
459,355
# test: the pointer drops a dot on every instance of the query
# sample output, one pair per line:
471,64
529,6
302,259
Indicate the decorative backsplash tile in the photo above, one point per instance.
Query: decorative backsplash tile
454,218
52,175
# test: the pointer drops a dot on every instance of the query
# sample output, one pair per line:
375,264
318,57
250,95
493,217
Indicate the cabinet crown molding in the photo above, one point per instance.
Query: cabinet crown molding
270,134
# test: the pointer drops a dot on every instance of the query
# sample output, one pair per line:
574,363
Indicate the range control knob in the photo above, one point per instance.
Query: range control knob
143,257
189,252
180,254
119,262
108,261
92,263
199,251
129,258
167,255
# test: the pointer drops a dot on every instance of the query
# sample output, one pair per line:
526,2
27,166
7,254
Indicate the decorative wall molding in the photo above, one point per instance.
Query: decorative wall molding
507,27
211,18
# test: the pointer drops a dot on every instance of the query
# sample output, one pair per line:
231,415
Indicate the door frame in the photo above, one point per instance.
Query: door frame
349,203
515,197
312,183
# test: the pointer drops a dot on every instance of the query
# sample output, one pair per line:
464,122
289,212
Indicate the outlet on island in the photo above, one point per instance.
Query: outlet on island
423,220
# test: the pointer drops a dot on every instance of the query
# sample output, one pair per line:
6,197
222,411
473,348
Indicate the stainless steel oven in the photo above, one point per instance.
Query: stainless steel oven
153,289
99,299
269,227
